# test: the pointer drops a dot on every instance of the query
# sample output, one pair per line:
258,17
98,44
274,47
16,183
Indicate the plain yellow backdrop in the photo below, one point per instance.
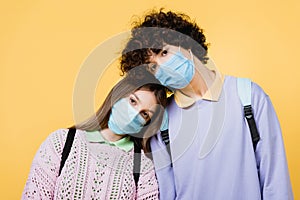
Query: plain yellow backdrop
45,43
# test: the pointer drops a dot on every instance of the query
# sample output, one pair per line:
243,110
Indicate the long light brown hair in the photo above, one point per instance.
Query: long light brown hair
137,79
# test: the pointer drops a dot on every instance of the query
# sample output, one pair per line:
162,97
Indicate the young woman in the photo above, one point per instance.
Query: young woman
101,160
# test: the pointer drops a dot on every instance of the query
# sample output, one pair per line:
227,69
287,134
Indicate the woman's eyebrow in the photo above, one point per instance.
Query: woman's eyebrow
151,111
137,98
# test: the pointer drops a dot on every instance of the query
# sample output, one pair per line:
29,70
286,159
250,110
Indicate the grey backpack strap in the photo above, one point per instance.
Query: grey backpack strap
244,92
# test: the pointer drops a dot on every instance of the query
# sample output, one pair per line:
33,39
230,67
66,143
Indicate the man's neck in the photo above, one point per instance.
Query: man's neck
201,81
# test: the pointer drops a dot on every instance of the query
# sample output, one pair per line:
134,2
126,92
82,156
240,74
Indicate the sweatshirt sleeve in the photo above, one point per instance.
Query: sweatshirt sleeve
44,169
270,153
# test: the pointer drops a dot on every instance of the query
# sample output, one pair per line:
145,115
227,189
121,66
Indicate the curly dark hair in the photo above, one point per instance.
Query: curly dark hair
158,28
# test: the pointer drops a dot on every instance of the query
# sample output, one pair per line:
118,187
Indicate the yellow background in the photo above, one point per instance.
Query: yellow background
44,43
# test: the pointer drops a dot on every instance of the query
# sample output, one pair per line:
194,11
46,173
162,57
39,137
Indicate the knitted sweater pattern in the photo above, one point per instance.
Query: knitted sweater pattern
92,171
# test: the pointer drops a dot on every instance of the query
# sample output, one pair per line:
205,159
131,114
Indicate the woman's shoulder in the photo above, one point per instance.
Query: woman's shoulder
56,140
58,135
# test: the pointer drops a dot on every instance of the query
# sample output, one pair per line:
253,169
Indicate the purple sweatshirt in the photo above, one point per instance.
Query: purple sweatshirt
212,152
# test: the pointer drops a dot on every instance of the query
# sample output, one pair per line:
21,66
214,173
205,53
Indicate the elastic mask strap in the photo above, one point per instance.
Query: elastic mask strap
192,56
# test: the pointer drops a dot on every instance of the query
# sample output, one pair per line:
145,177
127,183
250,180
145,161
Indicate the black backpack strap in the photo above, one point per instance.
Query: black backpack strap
166,140
136,164
67,148
252,125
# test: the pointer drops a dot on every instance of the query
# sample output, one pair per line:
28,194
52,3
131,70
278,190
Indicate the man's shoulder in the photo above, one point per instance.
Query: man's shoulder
258,95
231,82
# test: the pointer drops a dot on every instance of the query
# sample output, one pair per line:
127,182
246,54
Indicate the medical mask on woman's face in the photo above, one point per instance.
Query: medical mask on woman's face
165,121
124,119
177,72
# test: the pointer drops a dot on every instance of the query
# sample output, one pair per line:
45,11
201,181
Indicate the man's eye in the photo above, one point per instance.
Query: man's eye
164,52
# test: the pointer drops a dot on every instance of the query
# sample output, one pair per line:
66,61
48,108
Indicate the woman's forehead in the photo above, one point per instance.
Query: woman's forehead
144,92
145,96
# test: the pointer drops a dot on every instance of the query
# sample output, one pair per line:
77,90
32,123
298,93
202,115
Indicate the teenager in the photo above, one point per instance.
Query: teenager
211,154
102,159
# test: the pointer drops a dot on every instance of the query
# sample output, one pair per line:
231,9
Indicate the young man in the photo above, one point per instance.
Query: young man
211,154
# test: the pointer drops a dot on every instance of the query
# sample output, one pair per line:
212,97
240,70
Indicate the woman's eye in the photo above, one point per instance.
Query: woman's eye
132,101
145,115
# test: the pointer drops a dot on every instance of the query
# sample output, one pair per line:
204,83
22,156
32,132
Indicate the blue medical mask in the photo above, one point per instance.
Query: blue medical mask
124,119
177,72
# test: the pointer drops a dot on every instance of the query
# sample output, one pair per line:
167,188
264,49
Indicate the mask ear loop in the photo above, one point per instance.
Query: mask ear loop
192,56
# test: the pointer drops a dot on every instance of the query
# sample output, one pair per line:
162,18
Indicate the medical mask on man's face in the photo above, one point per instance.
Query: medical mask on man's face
124,119
177,72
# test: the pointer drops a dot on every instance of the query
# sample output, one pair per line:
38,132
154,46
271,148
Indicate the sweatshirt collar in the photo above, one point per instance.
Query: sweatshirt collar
95,137
212,94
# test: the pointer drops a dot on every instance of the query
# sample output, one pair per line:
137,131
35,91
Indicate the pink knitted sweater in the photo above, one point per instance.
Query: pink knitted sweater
89,173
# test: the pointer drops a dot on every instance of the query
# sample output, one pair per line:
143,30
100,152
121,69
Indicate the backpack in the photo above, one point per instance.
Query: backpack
68,146
244,92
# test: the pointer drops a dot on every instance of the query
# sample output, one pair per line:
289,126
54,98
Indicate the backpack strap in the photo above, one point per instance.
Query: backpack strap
136,163
244,92
67,148
164,131
166,140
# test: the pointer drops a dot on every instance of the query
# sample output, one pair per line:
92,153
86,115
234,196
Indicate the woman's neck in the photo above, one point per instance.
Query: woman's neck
110,136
